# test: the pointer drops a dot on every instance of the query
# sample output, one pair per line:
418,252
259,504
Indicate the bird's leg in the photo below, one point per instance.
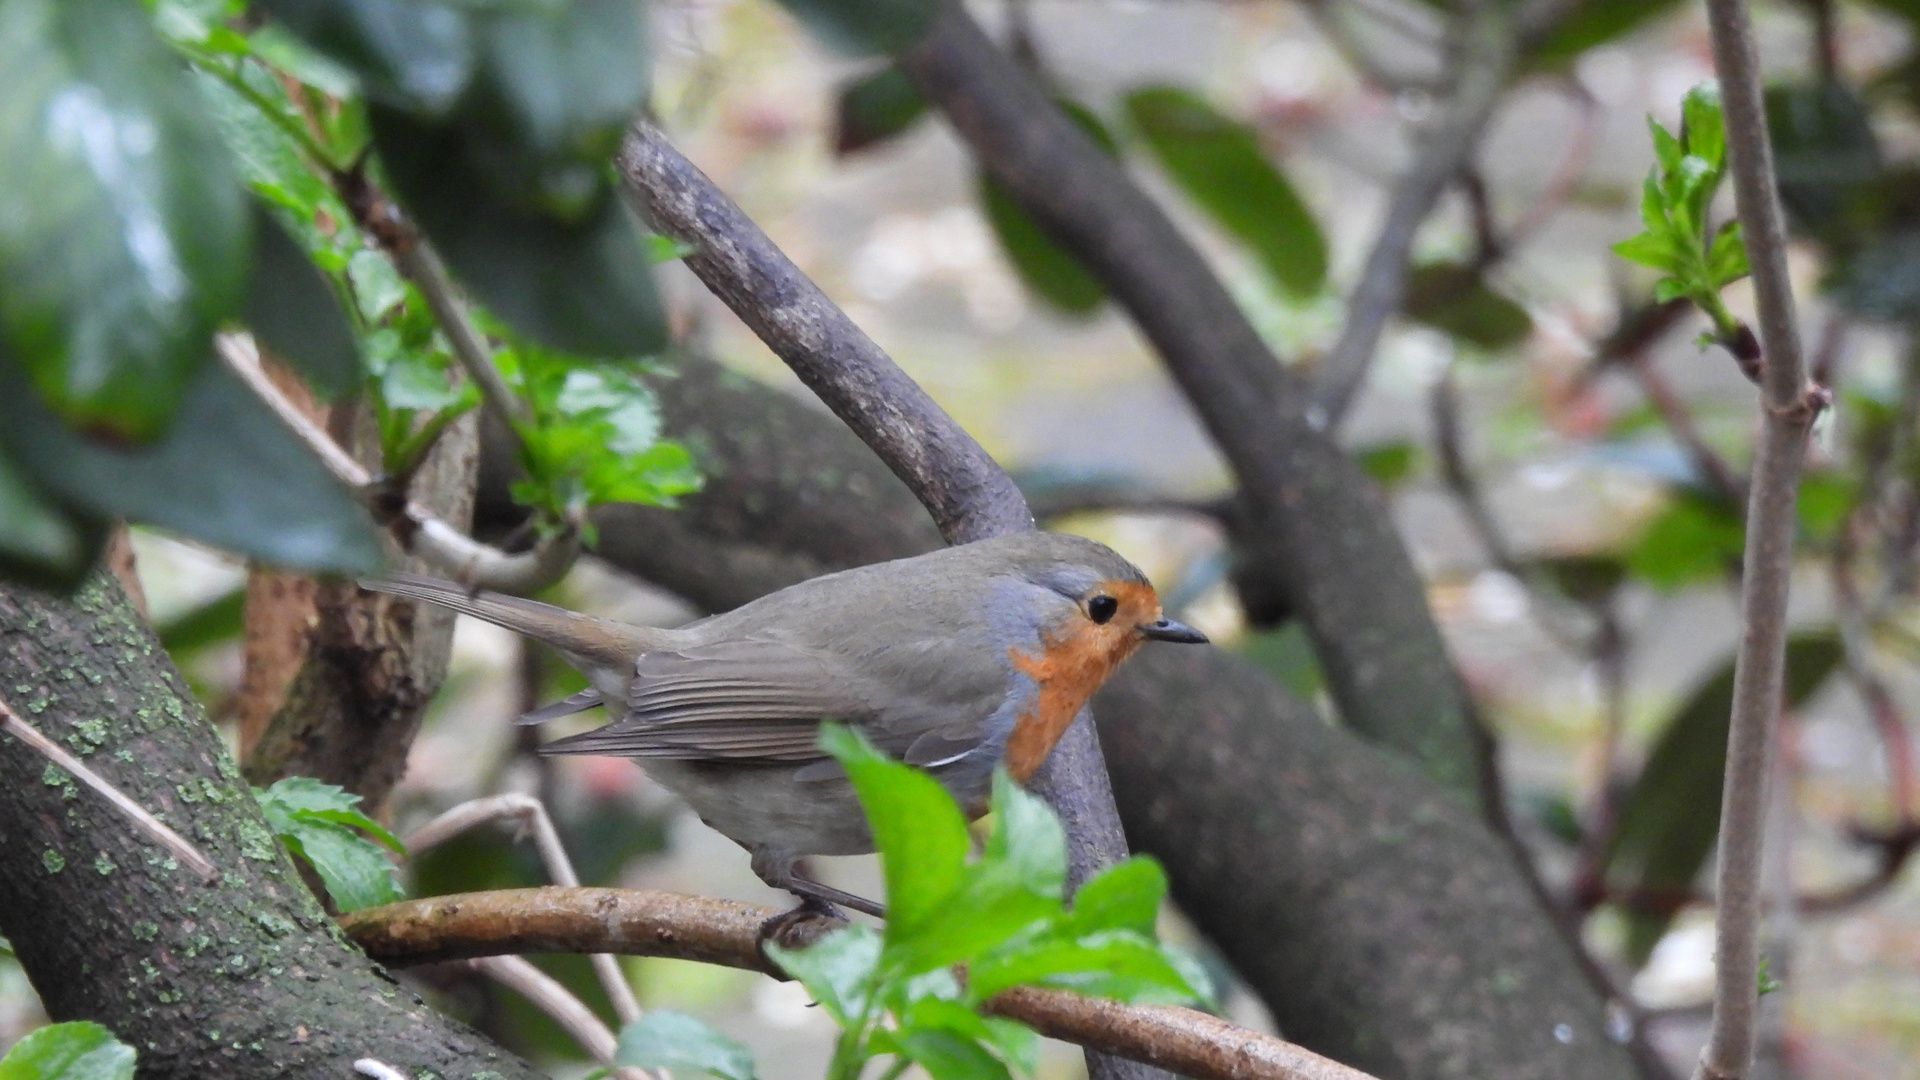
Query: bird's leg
778,869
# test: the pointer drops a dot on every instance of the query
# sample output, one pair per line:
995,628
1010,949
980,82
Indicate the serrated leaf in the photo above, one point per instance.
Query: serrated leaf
80,1050
1727,257
294,312
1653,249
1456,299
839,970
1116,964
873,109
1027,838
123,236
663,1039
583,285
304,798
1668,150
1671,817
917,829
1124,896
410,54
863,27
228,473
357,875
1702,126
1219,163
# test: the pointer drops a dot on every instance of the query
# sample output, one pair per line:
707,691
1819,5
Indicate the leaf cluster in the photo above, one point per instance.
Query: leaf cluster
322,825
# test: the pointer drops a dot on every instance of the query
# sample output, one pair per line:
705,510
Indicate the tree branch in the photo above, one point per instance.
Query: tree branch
640,922
1789,405
1488,49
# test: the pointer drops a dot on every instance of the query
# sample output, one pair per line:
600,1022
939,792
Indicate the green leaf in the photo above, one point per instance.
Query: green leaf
1116,964
295,313
583,284
875,108
839,970
81,1050
228,473
1694,538
1671,818
1701,125
1389,463
304,798
1455,299
123,237
1219,163
1596,22
1285,653
1053,273
917,829
312,819
220,619
1124,896
410,54
1654,249
1727,256
41,543
1027,839
669,1040
947,1055
1826,497
861,27
1826,158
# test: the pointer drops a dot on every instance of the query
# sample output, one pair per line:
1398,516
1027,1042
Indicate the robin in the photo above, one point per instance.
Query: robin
954,661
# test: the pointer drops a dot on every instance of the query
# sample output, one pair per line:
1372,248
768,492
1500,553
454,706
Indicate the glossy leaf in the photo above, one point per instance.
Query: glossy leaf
663,1039
917,829
123,236
584,285
863,27
411,54
295,313
228,473
1671,818
1219,162
79,1050
307,799
42,543
1456,300
312,819
875,108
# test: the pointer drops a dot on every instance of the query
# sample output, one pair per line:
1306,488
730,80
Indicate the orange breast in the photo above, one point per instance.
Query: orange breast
1069,669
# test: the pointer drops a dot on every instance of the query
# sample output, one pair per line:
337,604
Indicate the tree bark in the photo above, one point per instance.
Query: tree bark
245,977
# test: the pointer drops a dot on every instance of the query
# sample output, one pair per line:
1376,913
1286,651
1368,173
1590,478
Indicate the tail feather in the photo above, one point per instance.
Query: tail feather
595,640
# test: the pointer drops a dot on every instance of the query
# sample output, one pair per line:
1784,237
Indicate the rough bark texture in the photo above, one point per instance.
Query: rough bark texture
246,977
373,662
1375,916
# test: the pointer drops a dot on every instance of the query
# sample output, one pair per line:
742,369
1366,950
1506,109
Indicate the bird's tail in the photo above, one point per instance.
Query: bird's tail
600,642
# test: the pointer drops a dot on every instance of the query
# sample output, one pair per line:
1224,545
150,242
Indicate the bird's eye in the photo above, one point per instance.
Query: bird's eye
1101,608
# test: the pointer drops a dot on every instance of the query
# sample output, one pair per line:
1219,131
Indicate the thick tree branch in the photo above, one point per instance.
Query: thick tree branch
1488,48
1319,536
1789,405
639,922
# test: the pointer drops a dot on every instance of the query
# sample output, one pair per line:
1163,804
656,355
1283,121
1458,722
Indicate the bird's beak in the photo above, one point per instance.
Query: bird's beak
1168,630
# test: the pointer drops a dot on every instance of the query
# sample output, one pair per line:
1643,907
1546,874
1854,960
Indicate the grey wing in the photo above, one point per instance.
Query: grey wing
744,700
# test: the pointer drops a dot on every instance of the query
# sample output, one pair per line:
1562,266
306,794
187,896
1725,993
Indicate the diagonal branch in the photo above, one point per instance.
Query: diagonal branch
639,922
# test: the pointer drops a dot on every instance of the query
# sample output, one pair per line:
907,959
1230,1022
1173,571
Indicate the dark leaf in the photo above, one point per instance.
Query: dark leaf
874,109
1882,281
583,286
1694,538
1587,578
220,619
1825,154
80,1050
1051,271
669,1040
1671,818
1125,896
1389,463
1220,164
123,235
295,313
1595,22
1456,300
42,543
411,54
861,27
227,473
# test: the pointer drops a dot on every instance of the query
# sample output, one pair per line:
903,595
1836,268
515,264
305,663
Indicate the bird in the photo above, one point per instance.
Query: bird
956,661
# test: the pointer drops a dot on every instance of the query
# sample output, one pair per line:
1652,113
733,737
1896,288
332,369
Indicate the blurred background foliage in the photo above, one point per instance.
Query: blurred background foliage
1565,460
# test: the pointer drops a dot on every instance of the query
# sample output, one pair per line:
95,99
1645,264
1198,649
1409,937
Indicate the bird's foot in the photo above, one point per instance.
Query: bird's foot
807,923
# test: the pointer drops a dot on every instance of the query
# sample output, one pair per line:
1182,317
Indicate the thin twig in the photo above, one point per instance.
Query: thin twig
421,264
1789,406
1488,50
547,994
417,529
643,923
532,816
12,724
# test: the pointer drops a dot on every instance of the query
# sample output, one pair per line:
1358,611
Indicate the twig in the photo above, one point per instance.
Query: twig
532,816
1488,50
421,264
643,923
12,724
1788,408
414,526
548,995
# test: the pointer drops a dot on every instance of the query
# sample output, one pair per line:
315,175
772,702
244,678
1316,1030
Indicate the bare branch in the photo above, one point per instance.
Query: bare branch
12,724
1488,50
643,923
1789,405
